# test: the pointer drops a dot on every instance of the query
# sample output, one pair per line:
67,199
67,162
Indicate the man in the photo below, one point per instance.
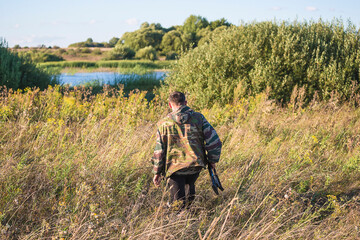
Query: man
185,144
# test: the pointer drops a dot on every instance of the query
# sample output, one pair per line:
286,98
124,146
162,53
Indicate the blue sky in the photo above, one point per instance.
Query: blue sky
35,22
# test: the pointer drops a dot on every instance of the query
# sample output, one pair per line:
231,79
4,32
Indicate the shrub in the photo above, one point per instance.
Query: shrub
96,51
120,52
148,53
86,50
41,56
19,72
318,57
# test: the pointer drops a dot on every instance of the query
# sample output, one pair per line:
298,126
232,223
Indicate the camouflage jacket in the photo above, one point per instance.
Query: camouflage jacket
185,139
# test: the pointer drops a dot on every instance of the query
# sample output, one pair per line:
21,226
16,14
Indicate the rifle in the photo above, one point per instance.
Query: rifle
215,180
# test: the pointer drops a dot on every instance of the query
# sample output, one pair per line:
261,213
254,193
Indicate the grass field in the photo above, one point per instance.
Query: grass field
77,166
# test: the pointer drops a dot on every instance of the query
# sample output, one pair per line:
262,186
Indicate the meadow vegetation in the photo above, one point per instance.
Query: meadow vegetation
75,165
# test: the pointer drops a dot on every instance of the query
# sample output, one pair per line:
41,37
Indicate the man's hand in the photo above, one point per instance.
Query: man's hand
213,165
157,180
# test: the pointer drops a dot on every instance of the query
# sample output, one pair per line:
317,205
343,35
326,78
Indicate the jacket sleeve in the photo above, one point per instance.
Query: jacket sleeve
159,158
212,142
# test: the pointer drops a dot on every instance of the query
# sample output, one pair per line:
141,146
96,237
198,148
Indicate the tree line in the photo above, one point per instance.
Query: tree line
153,40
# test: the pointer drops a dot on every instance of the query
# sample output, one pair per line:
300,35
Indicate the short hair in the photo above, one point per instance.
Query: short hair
177,97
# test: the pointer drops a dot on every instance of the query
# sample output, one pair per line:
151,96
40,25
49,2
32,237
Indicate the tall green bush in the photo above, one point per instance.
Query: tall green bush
321,57
120,52
148,53
19,72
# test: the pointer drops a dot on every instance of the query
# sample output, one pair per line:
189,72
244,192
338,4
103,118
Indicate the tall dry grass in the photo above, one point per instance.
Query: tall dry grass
76,166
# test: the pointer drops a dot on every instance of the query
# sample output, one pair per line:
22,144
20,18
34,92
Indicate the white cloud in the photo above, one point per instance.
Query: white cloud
132,21
17,25
276,8
311,9
92,21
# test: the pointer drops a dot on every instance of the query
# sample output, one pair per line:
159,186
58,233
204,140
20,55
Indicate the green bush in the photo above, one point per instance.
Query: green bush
319,57
41,56
120,52
96,52
86,50
20,72
148,53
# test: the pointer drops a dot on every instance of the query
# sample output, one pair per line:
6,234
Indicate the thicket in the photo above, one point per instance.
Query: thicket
315,58
148,53
120,52
38,56
20,72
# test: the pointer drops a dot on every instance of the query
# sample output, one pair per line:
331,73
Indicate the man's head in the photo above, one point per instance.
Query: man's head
176,100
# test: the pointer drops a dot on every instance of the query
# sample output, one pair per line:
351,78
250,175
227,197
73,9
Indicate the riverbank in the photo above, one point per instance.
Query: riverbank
101,69
121,66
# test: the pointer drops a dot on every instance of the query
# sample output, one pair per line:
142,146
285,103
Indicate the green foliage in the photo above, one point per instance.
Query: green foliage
120,65
148,53
172,42
20,72
86,50
219,23
147,35
41,56
96,52
88,43
318,57
113,41
164,40
193,24
120,52
191,29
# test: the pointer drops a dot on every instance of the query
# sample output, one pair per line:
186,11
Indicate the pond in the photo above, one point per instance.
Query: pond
104,77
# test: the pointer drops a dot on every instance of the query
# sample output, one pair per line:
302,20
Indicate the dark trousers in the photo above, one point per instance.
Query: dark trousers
182,188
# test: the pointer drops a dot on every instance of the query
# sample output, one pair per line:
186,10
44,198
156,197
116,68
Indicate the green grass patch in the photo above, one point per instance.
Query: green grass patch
122,66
